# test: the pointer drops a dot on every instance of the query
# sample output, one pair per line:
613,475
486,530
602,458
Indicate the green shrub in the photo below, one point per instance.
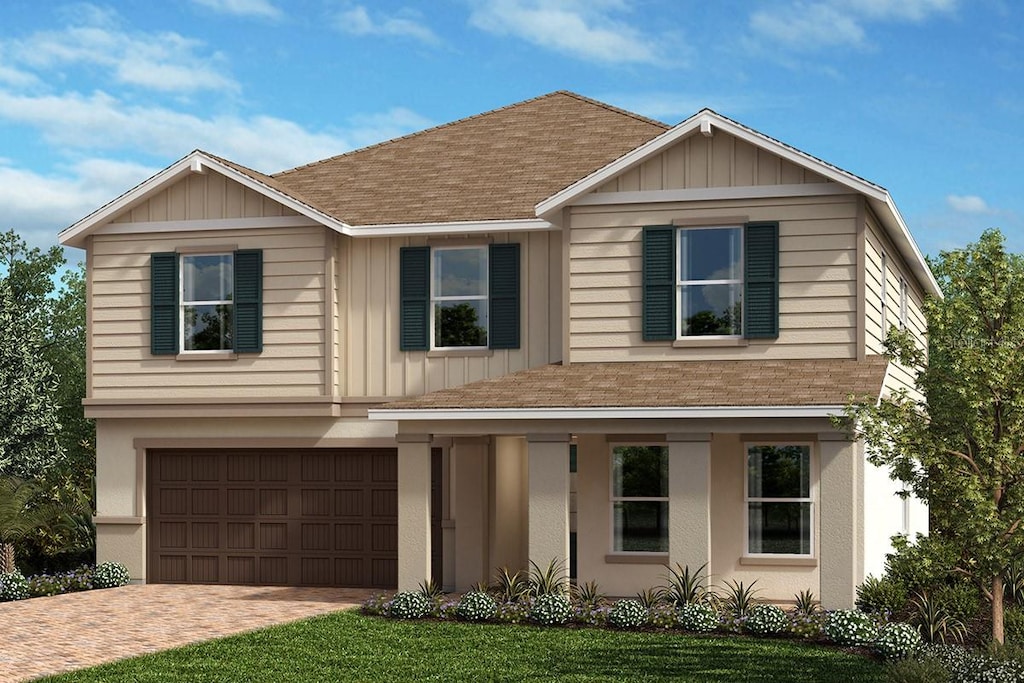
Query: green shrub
13,586
766,620
922,669
881,595
965,666
628,613
697,617
551,609
897,641
850,627
1013,626
110,575
924,565
476,606
408,605
961,601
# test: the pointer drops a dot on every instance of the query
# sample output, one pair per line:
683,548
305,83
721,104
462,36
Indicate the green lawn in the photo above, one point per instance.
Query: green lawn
350,647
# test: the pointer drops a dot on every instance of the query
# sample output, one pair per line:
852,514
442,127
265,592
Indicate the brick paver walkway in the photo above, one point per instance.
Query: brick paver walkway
50,635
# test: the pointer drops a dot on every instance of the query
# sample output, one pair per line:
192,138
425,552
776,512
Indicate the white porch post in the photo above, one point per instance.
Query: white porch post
469,492
413,510
689,508
549,499
839,521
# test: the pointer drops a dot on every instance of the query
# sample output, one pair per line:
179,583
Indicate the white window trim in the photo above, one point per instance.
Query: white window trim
903,303
680,283
813,490
472,297
182,304
613,499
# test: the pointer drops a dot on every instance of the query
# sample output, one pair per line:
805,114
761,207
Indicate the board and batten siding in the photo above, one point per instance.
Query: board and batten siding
719,161
817,273
292,363
368,316
876,243
203,196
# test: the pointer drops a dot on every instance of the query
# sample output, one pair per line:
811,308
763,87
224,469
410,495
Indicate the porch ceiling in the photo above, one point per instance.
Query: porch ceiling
740,384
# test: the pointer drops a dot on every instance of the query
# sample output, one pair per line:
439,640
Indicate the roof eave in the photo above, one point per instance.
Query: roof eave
605,413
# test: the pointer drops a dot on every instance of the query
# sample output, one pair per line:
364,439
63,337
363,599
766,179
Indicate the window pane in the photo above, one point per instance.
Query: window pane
711,254
779,528
641,526
207,277
640,472
460,323
711,309
207,328
779,472
460,272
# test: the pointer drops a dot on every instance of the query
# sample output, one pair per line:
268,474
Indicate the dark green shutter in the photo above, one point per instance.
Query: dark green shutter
503,293
163,299
659,283
414,293
247,332
761,281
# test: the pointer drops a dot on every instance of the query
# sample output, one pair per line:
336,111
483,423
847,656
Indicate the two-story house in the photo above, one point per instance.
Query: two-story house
382,366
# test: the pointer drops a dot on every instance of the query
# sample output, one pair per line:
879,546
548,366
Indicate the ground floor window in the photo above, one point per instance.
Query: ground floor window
640,499
780,507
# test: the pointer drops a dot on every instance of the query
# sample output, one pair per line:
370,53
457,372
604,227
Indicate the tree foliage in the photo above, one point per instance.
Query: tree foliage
962,449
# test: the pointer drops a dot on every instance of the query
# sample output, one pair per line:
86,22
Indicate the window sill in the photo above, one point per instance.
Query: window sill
216,355
636,558
696,342
460,353
772,561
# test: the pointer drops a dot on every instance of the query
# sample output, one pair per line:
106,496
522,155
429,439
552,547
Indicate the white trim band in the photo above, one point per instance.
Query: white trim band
602,413
454,228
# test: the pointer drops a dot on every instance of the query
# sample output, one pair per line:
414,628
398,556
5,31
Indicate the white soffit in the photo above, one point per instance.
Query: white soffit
602,413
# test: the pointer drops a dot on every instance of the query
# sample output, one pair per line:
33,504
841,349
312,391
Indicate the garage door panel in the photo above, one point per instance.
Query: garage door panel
316,537
174,534
174,468
241,535
206,467
273,536
273,570
384,573
273,502
317,467
384,503
172,502
240,570
205,569
206,535
385,538
241,502
205,501
273,467
241,467
316,502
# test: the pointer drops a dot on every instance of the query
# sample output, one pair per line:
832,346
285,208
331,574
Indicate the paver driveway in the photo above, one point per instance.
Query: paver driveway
49,635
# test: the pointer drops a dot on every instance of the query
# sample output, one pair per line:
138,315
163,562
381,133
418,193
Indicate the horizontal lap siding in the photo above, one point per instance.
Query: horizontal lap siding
817,274
369,320
206,196
292,362
898,377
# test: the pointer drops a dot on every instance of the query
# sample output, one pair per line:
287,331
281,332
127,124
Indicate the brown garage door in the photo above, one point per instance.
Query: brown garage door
324,517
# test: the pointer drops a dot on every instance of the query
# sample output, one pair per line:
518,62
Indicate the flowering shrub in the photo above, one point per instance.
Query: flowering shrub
809,626
408,605
375,604
698,618
965,666
850,627
551,609
64,582
13,586
766,620
110,575
514,612
627,613
896,641
662,616
476,606
590,614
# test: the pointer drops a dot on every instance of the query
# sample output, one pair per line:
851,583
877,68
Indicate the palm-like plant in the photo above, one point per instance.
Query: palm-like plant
26,510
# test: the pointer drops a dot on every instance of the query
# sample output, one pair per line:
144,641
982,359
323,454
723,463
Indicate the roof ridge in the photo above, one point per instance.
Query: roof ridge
472,117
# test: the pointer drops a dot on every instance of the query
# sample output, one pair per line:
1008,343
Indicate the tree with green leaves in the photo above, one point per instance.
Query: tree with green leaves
961,450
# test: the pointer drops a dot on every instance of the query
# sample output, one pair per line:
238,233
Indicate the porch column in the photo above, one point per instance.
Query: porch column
469,492
549,499
413,510
839,527
689,508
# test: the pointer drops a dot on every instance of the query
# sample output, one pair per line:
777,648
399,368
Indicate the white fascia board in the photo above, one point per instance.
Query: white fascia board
713,193
453,228
205,225
602,413
908,247
196,162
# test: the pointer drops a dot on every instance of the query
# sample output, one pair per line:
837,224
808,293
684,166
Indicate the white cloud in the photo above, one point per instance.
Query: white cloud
266,143
243,8
582,29
813,24
968,203
164,61
357,21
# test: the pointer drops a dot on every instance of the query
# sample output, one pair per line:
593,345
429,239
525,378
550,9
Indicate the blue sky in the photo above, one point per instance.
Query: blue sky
925,97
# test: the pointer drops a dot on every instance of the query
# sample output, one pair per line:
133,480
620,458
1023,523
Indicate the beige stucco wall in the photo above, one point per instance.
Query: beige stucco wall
817,274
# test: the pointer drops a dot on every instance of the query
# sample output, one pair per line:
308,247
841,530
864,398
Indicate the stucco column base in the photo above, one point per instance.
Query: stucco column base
840,536
469,460
689,510
549,500
413,510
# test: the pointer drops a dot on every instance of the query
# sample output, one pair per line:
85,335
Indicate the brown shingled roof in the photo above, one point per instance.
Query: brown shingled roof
492,166
741,383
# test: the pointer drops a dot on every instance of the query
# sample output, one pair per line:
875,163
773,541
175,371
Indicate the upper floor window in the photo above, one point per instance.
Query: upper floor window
206,302
640,499
903,304
780,513
710,282
459,300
